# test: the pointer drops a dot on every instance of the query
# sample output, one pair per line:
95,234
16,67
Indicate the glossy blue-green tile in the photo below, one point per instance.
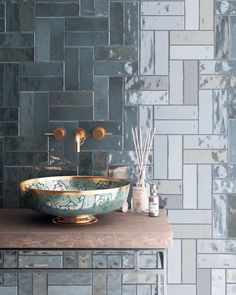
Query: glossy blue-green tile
115,98
85,163
70,278
116,53
38,69
114,127
87,7
102,8
12,84
84,24
70,155
130,121
10,279
222,37
232,141
25,286
109,143
70,98
70,113
41,113
71,69
101,98
27,15
232,36
16,40
41,171
116,23
86,68
11,188
131,23
8,128
8,114
41,83
56,148
86,38
57,9
25,158
1,162
2,25
2,83
100,162
16,54
57,36
2,10
13,16
27,114
25,143
231,207
115,68
42,39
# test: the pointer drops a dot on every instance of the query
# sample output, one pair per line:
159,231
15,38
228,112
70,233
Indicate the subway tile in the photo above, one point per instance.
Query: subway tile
16,40
214,82
231,289
190,216
57,27
219,216
37,69
115,98
39,283
12,16
123,157
42,39
71,69
190,186
176,112
100,163
224,186
205,156
8,128
11,189
118,68
2,84
27,15
139,278
16,54
25,283
130,121
220,99
69,113
205,141
203,281
131,23
218,281
85,259
86,69
176,81
204,190
10,279
192,37
222,37
86,38
114,284
87,7
147,53
101,98
161,158
146,117
223,261
114,261
34,261
2,25
85,24
2,9
205,112
69,279
231,276
143,289
211,67
192,14
12,84
71,98
206,14
128,289
101,8
176,126
216,246
57,9
181,289
40,113
150,23
189,261
99,283
72,290
162,8
8,114
174,263
189,231
109,143
85,163
221,171
116,23
138,83
161,53
231,206
190,82
25,143
175,157
169,187
5,290
147,97
170,201
232,142
116,53
191,52
41,83
10,259
25,158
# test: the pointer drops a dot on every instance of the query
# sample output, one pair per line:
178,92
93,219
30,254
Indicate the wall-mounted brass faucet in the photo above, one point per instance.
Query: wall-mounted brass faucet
99,133
57,133
80,137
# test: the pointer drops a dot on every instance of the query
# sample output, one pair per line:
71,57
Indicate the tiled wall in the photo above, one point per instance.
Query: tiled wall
168,64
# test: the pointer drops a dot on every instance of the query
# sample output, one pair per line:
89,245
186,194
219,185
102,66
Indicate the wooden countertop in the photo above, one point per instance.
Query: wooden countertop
24,228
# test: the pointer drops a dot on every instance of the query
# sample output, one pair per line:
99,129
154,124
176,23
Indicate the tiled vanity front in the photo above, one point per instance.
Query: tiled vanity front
98,270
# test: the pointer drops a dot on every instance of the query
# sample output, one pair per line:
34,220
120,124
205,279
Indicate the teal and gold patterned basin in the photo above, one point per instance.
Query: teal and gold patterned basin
74,199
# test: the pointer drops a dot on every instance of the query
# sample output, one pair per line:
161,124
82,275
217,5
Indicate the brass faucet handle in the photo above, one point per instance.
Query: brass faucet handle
99,133
57,133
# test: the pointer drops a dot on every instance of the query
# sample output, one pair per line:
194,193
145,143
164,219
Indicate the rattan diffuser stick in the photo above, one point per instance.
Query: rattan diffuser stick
143,140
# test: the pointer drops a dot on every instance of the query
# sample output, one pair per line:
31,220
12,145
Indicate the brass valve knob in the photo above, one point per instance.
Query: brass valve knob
99,133
57,133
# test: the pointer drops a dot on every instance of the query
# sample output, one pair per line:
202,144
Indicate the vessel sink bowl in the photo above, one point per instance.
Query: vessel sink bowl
74,199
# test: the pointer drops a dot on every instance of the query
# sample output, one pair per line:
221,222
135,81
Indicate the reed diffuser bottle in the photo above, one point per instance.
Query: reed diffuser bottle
143,140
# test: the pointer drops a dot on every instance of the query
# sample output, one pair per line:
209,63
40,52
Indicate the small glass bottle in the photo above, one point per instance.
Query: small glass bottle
153,202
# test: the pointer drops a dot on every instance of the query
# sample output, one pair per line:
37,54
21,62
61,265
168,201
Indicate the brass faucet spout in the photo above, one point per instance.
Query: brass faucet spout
80,136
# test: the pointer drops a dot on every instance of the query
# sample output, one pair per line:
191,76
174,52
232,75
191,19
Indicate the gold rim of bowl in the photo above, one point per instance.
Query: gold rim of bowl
97,178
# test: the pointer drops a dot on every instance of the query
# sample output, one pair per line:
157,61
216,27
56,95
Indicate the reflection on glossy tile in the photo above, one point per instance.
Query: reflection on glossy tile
222,37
